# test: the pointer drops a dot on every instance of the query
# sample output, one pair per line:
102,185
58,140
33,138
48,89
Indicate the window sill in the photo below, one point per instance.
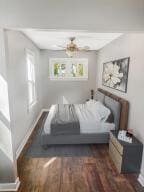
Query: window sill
30,107
68,79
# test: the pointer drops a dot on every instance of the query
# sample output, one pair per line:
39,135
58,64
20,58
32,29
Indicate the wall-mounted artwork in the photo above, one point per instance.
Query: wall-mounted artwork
115,74
68,68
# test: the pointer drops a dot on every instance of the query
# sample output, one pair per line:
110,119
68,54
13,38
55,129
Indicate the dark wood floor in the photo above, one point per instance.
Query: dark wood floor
74,174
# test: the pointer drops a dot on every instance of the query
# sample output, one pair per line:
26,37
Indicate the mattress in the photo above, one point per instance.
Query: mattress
88,121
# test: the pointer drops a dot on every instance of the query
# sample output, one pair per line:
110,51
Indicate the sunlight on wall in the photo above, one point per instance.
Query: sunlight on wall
5,135
4,103
5,140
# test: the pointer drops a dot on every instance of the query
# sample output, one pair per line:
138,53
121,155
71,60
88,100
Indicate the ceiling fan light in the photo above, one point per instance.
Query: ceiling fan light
70,53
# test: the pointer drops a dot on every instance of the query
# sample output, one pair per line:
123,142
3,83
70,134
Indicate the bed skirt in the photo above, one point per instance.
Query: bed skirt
47,139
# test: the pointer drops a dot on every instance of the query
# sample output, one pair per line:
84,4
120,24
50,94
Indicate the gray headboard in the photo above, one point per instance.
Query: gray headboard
118,106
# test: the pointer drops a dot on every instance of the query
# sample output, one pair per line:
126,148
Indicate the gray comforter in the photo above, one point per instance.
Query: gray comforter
65,120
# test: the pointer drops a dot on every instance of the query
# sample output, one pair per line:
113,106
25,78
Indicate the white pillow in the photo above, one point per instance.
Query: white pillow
91,102
99,110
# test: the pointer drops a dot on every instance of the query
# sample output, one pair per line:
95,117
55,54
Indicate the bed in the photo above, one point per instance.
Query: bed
83,126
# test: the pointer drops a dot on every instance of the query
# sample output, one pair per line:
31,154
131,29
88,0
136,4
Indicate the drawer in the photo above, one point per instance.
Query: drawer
115,156
118,146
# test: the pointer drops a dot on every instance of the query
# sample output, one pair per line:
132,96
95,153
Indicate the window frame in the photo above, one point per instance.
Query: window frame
29,52
68,62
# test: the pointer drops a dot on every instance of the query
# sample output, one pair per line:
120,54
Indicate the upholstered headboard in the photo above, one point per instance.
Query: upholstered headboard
121,120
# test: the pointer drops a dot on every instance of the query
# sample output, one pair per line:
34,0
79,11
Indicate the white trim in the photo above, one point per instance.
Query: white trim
45,110
68,78
20,148
141,180
10,186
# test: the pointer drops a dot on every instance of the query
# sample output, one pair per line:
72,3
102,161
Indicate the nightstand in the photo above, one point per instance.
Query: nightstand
127,157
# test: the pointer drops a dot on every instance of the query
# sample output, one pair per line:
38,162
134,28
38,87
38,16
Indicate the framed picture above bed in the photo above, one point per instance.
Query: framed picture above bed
115,74
68,69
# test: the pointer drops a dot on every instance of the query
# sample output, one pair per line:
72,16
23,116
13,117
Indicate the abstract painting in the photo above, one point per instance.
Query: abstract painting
115,74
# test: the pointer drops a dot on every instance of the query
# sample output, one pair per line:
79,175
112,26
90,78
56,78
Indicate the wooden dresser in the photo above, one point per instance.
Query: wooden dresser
127,157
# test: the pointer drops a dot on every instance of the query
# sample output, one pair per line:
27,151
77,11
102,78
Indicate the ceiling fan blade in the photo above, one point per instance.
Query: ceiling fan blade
61,46
85,48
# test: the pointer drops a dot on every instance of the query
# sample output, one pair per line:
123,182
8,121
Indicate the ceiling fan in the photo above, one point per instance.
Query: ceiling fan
72,47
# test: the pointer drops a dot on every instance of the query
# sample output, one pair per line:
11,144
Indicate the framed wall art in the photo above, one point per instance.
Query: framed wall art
115,74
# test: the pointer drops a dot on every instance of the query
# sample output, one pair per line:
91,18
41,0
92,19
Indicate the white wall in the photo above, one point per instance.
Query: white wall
8,172
98,15
73,91
128,45
22,119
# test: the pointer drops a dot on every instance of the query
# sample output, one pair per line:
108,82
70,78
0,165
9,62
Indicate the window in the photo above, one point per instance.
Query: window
30,60
59,70
68,69
77,70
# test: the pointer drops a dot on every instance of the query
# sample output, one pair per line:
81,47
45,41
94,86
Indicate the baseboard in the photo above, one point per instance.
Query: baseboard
141,179
45,110
10,186
19,150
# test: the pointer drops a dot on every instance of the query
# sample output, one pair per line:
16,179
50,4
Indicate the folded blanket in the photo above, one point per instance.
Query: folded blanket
65,120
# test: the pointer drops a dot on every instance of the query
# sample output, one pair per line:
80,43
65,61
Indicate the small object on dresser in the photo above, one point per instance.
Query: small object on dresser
122,135
129,133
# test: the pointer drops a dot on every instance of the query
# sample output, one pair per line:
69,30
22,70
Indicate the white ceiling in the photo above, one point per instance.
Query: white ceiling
53,39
